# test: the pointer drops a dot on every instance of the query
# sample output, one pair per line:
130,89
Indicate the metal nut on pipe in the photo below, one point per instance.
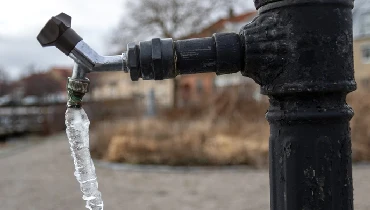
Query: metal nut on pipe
133,61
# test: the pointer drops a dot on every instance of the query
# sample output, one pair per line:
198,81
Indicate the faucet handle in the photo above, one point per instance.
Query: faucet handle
58,32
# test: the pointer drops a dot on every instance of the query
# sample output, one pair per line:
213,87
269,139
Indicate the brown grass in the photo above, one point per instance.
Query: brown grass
360,125
229,130
181,143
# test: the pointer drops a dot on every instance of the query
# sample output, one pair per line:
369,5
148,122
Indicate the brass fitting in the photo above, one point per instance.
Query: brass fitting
76,89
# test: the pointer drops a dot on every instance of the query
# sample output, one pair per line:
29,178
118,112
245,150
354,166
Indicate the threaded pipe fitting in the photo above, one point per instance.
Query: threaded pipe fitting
76,89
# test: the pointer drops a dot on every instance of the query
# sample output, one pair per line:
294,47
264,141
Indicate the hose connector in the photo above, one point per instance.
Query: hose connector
76,89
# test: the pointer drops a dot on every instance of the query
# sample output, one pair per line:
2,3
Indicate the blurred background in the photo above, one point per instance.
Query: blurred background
196,142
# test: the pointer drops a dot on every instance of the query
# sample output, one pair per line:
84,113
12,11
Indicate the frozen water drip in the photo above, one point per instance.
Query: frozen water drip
77,130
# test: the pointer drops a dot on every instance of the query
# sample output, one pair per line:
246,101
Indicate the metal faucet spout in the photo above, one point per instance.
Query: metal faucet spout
84,55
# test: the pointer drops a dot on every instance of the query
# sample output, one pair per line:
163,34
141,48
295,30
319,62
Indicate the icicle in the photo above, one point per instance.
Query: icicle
77,124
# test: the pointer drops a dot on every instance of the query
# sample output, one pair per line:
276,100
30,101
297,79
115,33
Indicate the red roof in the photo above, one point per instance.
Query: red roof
51,81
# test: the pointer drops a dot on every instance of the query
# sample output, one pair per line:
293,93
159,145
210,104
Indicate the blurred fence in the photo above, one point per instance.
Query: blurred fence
47,119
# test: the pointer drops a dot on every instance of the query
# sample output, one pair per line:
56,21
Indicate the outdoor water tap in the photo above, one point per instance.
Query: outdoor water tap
157,59
58,32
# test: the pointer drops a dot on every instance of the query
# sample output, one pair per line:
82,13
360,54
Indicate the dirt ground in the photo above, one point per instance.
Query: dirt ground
41,177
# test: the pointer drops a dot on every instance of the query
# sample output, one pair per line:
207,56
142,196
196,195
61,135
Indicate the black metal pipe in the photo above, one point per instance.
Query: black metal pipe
300,52
164,58
196,56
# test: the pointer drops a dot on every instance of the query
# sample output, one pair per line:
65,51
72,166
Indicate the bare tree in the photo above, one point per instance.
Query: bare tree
4,82
170,19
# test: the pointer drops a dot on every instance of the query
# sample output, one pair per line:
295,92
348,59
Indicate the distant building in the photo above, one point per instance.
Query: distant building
198,87
361,42
115,85
193,89
41,87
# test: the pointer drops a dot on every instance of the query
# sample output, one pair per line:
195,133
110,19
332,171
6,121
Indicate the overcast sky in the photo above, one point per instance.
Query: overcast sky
21,21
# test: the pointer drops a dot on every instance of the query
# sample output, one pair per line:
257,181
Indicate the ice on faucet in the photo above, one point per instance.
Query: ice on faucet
77,124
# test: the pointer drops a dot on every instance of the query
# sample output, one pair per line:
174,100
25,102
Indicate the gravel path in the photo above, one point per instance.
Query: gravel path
41,177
